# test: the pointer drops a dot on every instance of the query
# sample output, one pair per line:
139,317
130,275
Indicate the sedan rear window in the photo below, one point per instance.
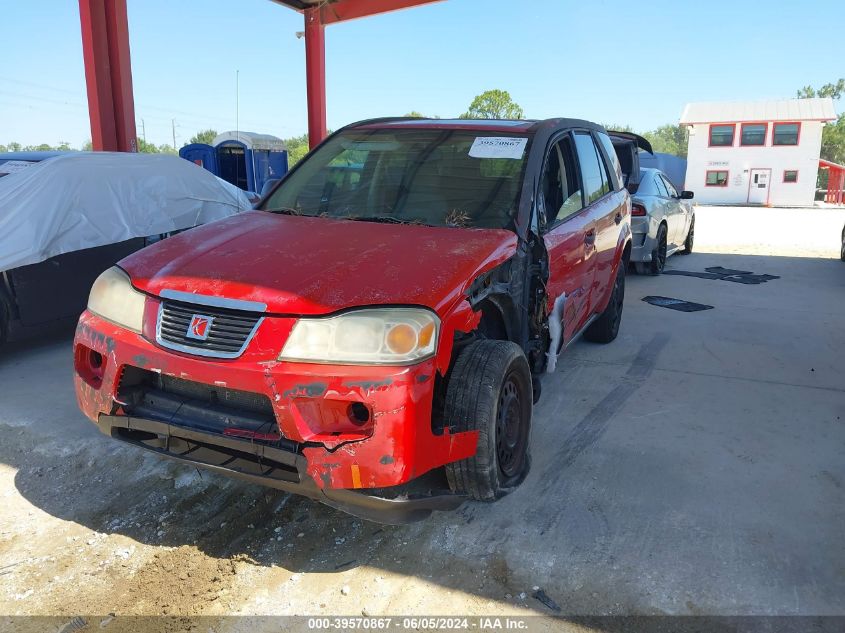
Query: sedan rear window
438,177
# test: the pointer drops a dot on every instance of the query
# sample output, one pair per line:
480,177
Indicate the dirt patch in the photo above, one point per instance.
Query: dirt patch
180,581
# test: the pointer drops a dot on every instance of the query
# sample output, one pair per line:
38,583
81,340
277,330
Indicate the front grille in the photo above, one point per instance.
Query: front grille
227,337
208,408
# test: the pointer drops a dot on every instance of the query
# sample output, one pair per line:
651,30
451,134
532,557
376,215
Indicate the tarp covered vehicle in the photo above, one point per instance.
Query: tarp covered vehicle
373,337
66,219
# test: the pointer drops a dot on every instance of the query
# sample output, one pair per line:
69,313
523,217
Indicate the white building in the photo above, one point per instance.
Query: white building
758,152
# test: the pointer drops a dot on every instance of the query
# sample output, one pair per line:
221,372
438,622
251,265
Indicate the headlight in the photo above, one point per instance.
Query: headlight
389,336
113,298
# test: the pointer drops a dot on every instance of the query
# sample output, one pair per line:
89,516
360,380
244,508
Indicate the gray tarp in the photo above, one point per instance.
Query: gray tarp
88,199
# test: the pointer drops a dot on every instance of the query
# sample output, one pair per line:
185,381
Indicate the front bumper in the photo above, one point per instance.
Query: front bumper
399,446
272,467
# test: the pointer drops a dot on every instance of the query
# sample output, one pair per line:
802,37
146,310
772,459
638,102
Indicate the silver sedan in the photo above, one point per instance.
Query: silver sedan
663,222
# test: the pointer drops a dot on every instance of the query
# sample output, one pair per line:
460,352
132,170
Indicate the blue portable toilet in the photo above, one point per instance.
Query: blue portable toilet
245,159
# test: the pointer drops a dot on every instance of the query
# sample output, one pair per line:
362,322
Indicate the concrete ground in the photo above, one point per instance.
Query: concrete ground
693,466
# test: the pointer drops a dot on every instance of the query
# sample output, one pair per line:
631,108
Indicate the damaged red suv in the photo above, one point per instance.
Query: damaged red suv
373,335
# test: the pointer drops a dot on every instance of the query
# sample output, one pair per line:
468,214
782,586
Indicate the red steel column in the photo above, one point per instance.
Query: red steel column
315,76
108,74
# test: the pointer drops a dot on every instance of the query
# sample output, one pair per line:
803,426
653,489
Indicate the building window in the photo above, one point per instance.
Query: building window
790,175
722,135
718,178
753,134
786,134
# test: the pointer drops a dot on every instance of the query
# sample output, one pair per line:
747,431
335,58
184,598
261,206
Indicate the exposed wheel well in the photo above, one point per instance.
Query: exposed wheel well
626,254
493,323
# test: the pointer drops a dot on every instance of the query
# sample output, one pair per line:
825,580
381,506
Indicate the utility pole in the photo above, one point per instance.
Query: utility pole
173,128
237,104
143,131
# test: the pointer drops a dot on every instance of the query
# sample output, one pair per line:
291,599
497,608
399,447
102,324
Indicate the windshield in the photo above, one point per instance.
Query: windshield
435,177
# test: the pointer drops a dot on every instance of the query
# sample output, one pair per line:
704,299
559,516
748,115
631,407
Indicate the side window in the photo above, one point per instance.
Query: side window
593,174
560,189
669,187
616,181
661,188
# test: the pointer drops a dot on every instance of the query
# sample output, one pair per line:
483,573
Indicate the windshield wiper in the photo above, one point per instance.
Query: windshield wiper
384,219
285,211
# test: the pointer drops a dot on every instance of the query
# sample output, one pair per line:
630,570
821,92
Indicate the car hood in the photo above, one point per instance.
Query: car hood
307,265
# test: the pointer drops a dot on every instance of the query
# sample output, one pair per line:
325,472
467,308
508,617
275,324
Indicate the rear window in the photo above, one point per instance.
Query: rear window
435,177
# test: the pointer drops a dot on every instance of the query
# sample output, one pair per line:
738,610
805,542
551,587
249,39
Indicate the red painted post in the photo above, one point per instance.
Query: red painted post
315,76
108,74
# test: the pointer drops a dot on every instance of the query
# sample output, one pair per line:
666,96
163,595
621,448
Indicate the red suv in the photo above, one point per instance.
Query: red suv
372,336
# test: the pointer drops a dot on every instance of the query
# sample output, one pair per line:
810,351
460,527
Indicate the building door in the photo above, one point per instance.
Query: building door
758,189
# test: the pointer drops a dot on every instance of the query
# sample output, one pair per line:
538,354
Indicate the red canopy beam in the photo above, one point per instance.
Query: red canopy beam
108,74
344,10
316,19
315,76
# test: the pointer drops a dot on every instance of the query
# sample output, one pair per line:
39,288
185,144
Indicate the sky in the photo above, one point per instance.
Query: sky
625,63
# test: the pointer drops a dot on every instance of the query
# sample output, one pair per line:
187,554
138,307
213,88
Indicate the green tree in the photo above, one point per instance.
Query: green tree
147,148
297,148
14,147
833,134
87,146
669,139
41,147
493,104
204,136
416,115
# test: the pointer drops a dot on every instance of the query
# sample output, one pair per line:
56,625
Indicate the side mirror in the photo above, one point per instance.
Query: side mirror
687,195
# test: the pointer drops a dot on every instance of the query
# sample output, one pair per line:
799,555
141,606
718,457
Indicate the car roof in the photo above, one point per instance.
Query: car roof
511,126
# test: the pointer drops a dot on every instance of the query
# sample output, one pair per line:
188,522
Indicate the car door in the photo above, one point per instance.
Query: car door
660,210
604,210
569,234
677,213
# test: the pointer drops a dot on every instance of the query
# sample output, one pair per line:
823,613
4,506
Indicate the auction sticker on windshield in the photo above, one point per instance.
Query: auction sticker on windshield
498,147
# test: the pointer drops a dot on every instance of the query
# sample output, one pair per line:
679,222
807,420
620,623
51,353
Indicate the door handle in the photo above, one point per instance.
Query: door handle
590,237
618,217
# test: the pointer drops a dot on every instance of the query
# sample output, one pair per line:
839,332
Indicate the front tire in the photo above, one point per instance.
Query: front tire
490,392
606,327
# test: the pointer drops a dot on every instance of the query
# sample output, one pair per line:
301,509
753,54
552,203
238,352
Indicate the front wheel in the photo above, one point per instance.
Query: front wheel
606,327
490,392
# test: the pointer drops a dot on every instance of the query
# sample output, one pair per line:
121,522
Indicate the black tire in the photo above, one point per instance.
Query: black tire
490,392
688,243
658,255
605,328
